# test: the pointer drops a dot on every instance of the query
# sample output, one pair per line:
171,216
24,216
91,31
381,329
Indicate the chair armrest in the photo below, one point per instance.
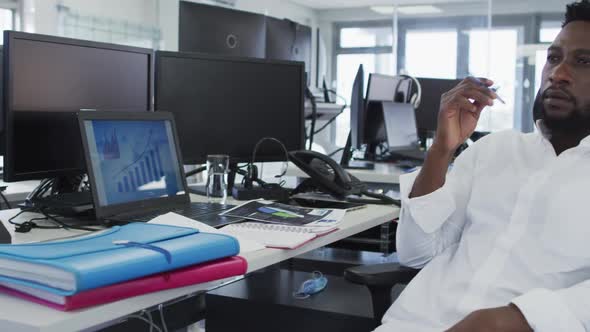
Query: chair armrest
380,275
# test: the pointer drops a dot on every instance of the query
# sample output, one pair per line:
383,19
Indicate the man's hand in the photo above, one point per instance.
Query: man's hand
501,319
459,112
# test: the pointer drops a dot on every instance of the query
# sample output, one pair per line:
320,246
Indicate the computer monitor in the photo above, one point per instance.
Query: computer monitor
218,30
288,40
388,88
225,105
427,112
400,125
46,80
357,107
133,161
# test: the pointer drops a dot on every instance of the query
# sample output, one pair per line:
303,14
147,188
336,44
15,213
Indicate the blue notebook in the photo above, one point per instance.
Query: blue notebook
118,254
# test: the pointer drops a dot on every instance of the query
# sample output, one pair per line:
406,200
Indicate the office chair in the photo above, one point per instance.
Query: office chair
380,279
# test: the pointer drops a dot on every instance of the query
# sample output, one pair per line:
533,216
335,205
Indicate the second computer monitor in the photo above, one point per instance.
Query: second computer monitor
219,30
288,40
388,88
225,105
427,112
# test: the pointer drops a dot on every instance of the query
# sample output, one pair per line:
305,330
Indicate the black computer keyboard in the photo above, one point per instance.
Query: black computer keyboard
195,210
207,213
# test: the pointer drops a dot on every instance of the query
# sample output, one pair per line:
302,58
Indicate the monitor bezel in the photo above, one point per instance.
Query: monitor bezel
215,57
103,212
9,173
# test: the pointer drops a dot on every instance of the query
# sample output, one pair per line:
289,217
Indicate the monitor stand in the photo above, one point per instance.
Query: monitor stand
348,163
360,164
66,202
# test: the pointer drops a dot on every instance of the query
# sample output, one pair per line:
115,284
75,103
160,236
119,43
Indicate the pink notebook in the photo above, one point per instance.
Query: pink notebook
219,269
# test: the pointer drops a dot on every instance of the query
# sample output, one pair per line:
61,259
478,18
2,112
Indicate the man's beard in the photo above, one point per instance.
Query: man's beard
577,121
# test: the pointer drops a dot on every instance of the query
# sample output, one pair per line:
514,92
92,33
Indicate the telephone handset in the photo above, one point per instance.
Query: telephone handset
328,176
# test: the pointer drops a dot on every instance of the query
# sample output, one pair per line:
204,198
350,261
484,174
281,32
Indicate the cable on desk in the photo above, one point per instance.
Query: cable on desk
149,314
161,310
64,225
311,98
150,323
338,96
30,224
330,121
5,200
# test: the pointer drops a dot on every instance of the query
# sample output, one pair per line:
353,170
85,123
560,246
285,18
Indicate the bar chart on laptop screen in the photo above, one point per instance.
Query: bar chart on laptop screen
134,160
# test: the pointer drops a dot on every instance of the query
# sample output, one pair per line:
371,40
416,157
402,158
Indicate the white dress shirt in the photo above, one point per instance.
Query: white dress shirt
510,224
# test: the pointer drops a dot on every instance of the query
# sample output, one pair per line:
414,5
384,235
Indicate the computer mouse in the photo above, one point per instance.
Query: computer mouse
5,237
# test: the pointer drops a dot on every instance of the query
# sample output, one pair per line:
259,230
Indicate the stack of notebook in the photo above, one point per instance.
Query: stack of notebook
118,263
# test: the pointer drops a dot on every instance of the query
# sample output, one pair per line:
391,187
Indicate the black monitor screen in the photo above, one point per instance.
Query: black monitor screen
357,110
218,30
47,79
288,40
225,105
427,112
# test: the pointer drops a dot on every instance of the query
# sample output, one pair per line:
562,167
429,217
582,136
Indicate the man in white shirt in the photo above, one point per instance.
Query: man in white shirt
504,237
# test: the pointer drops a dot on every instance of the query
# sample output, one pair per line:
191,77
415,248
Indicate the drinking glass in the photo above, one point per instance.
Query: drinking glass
217,169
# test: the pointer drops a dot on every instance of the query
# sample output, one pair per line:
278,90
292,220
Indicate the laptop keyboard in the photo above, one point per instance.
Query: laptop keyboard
207,213
195,210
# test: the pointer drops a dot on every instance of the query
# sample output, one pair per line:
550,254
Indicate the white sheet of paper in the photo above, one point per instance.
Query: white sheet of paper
174,219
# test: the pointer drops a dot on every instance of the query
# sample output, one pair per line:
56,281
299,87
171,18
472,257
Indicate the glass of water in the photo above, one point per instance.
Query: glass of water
217,169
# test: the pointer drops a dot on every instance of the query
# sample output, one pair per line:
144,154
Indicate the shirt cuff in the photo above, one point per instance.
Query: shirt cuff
429,211
545,311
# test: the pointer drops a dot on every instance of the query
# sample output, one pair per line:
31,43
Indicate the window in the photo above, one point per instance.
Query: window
460,41
365,37
431,53
547,33
347,66
370,46
498,66
6,21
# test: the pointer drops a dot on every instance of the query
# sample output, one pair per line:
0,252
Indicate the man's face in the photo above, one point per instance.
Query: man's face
564,97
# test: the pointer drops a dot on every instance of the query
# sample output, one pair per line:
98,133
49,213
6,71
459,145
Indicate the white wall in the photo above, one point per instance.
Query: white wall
41,16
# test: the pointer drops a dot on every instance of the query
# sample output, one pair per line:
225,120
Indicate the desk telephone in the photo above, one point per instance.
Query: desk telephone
327,176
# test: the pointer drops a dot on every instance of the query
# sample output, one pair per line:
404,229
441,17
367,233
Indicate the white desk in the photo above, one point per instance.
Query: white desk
20,315
383,173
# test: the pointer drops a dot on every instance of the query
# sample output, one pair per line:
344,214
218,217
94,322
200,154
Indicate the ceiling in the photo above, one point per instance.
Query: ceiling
337,4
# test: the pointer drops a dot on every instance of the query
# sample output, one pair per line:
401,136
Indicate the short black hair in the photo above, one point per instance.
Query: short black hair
577,11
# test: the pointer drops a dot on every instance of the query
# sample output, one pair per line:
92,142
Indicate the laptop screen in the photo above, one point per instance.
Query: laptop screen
400,125
133,160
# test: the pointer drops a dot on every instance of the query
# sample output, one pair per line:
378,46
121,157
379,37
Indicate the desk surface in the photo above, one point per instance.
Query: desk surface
21,315
18,191
383,173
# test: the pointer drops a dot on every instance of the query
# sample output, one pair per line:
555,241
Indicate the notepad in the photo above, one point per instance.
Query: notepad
276,236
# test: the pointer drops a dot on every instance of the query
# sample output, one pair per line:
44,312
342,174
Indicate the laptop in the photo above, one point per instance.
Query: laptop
401,131
134,168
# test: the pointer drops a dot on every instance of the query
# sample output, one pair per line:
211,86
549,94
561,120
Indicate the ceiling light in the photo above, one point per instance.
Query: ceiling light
416,10
384,10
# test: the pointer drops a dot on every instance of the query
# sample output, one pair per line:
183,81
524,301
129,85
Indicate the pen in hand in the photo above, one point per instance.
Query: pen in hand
495,89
